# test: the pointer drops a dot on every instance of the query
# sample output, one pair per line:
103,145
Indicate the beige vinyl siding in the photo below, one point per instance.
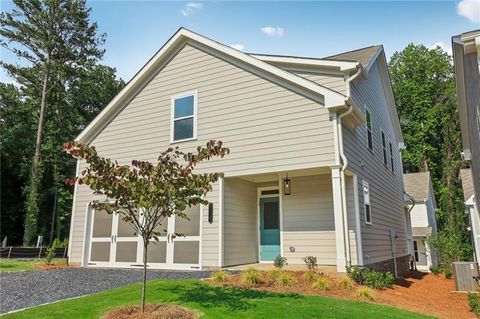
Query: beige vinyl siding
240,222
334,82
210,232
419,215
268,128
308,222
386,188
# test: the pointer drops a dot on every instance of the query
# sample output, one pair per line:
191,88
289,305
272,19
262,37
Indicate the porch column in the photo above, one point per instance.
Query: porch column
338,215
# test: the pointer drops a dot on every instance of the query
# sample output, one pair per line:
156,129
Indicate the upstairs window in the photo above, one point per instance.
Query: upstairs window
369,130
391,157
184,112
366,202
384,148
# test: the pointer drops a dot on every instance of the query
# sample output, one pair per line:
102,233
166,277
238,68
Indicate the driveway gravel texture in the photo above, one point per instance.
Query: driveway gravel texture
24,289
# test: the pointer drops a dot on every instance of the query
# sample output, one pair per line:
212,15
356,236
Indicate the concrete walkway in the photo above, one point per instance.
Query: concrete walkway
31,288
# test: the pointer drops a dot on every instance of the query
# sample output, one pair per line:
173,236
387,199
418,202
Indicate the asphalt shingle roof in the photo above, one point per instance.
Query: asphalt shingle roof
467,183
417,185
363,55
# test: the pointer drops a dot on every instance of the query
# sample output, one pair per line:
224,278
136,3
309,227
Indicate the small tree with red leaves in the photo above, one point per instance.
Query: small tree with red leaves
144,194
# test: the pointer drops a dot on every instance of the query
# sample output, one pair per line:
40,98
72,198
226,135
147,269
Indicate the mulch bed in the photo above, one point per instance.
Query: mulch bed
154,311
54,265
418,292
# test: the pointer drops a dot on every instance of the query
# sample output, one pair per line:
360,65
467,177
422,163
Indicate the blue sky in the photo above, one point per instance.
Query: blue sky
137,29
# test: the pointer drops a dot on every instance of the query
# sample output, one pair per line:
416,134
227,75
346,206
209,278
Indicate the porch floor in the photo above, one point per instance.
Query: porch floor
293,267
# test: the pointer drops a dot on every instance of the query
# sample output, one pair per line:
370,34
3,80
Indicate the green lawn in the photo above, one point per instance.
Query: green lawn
15,265
216,302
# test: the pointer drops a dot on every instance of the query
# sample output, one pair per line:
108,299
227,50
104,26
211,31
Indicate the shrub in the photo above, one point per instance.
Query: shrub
355,273
280,262
285,280
310,262
346,283
220,276
474,302
378,280
51,251
251,276
365,293
273,274
435,270
322,283
310,276
448,274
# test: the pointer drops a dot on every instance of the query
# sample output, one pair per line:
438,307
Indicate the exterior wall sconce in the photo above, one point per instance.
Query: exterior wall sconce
287,186
210,213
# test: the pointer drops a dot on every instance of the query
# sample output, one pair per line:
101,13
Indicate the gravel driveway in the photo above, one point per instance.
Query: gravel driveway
31,288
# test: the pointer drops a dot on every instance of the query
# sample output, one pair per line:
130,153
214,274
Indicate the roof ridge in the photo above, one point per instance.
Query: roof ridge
355,50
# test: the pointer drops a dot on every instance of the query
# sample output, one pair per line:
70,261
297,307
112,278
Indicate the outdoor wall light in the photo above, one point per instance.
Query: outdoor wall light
287,186
210,213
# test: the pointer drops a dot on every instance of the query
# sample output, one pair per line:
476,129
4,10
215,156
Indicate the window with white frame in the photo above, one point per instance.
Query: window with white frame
366,203
183,118
384,149
392,167
369,130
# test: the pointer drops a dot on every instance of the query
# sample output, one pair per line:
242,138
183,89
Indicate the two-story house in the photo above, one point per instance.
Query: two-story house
422,216
466,57
314,168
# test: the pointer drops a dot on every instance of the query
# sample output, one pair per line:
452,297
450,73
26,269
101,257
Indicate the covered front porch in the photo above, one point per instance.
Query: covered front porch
293,214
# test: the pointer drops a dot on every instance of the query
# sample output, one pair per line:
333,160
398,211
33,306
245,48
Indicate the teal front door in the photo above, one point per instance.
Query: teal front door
269,228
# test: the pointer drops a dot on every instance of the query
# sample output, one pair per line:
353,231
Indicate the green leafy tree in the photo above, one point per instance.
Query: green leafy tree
145,194
424,88
55,39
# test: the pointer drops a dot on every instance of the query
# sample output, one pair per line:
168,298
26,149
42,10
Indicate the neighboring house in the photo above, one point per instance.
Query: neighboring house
314,169
422,217
468,196
466,56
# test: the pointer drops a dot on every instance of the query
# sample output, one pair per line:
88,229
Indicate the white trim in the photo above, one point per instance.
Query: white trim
175,97
200,233
365,183
323,95
87,229
72,217
358,235
344,66
334,118
340,244
220,221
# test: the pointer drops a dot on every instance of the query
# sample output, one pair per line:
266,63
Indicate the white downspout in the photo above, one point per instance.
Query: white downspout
346,232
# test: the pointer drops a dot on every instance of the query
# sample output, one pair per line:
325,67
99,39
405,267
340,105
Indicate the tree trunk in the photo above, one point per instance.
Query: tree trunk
144,285
32,200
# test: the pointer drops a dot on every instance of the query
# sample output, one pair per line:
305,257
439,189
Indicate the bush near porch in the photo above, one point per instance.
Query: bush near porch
408,293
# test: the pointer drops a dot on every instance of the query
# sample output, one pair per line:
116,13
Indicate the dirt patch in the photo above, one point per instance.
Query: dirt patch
53,265
418,292
155,311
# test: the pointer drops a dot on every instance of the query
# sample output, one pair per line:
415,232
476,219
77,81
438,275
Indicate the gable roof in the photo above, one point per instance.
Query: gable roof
364,55
467,183
418,185
315,91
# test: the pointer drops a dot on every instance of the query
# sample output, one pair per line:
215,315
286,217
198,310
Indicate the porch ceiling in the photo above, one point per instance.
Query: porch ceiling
274,176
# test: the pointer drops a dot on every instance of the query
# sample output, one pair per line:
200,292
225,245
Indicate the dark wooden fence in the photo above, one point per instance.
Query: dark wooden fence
30,252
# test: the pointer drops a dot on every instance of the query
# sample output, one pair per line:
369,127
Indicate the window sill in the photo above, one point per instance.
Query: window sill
368,223
184,140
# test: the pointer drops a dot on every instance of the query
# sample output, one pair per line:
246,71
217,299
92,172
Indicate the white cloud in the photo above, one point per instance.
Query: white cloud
273,31
442,46
238,46
191,7
469,9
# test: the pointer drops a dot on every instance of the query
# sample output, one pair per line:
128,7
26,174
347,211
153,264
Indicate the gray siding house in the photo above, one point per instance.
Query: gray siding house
466,57
314,169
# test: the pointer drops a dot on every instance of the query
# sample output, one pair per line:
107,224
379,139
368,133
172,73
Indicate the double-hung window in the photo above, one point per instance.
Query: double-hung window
183,119
392,167
384,148
369,130
366,202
